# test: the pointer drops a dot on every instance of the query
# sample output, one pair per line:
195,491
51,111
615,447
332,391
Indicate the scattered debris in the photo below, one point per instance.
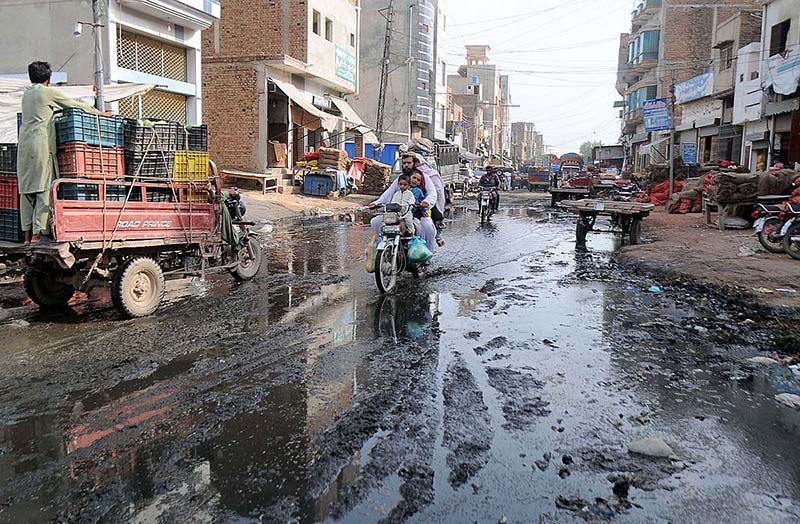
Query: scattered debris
763,361
788,399
651,447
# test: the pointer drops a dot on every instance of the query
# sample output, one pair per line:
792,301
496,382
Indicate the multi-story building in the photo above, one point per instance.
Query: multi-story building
669,43
276,75
416,95
479,72
144,41
524,147
472,111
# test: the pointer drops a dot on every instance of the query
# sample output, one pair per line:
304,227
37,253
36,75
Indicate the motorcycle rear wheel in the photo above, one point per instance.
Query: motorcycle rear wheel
771,225
792,247
385,271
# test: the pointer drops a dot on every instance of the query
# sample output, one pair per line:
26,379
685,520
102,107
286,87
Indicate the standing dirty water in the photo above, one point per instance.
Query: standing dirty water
520,381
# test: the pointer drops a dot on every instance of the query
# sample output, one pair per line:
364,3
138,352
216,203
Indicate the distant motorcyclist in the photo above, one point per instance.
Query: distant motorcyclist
492,180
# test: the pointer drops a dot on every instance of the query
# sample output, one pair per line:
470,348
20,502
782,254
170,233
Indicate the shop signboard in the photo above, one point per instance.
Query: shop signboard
689,154
345,64
694,88
656,115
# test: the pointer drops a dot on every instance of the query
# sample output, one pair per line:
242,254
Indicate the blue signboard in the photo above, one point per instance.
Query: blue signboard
555,168
694,88
689,154
656,115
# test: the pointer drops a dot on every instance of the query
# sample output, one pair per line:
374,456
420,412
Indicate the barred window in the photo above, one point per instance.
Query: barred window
155,105
146,55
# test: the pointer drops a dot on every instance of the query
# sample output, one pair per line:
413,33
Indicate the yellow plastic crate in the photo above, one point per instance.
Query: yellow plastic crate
190,166
196,197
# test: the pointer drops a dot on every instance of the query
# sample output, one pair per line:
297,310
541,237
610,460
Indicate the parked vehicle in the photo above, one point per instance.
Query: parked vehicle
391,255
790,230
570,164
486,203
768,225
133,236
538,178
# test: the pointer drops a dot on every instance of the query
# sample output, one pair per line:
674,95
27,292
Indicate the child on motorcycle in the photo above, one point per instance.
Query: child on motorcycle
407,200
416,182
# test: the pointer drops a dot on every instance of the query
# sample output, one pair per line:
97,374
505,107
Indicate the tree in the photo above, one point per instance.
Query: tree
586,150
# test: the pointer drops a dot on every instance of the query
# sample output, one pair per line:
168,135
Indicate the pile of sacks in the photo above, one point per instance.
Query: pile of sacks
734,188
689,198
333,158
780,182
371,177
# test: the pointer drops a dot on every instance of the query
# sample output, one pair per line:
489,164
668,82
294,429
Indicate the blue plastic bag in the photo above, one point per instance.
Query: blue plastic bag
418,252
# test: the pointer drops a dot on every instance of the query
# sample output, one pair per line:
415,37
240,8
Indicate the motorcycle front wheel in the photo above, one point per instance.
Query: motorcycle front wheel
767,236
791,242
386,272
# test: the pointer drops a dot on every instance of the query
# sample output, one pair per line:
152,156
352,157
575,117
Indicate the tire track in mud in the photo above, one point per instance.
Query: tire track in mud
468,429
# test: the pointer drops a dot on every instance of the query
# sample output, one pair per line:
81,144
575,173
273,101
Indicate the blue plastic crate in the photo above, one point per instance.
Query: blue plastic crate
75,125
10,226
318,185
78,191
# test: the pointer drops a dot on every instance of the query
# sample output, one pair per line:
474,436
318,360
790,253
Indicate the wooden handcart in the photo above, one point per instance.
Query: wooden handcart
626,217
558,194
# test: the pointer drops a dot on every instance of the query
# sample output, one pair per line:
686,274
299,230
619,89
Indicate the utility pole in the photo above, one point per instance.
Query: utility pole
98,19
387,42
672,138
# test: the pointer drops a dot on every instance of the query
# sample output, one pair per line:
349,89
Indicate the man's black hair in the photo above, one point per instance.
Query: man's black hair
405,177
39,72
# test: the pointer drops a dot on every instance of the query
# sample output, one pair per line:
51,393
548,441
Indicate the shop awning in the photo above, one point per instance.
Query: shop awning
323,119
645,149
466,155
354,121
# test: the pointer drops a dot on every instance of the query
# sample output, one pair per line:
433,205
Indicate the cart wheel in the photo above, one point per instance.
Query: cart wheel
635,231
248,266
138,287
45,290
580,232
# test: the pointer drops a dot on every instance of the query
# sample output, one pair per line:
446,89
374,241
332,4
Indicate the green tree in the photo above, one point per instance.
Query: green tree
586,150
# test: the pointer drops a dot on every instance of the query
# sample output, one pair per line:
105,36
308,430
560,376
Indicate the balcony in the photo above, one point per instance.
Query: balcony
643,12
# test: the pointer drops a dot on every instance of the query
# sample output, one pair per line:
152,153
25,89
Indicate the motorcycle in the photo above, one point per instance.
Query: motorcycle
486,203
391,255
790,231
248,249
768,225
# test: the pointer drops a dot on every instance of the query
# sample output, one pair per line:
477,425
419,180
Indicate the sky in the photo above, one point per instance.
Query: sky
561,57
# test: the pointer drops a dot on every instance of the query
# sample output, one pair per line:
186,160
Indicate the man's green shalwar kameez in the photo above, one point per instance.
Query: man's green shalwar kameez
36,156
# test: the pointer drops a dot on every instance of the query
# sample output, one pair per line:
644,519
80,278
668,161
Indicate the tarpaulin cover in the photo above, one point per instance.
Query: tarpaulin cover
11,92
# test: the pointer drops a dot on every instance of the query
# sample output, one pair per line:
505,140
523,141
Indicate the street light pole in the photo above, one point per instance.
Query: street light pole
98,16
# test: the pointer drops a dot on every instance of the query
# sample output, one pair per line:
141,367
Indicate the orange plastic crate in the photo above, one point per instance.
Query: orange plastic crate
81,160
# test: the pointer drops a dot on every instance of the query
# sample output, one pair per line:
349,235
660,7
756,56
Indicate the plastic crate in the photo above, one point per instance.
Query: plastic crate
190,166
78,191
160,194
154,164
118,193
76,125
81,160
10,226
8,159
196,196
163,136
196,138
9,193
318,185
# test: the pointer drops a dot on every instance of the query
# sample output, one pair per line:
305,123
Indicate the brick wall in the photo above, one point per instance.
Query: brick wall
256,29
750,30
230,99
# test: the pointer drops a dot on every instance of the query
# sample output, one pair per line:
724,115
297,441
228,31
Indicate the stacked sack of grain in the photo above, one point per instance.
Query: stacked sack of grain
334,158
735,187
376,177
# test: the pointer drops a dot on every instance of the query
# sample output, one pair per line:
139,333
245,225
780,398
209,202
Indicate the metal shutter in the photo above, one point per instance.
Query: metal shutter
146,55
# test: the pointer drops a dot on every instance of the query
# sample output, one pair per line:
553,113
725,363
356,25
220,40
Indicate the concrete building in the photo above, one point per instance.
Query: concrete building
479,72
276,75
524,146
416,97
472,111
145,41
669,43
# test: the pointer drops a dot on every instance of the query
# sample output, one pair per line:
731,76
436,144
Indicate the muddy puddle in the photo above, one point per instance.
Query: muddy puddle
505,387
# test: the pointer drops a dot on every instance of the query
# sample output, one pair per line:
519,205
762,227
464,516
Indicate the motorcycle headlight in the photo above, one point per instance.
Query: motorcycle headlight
391,219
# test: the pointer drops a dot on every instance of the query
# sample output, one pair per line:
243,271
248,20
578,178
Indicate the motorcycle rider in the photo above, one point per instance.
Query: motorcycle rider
491,180
411,161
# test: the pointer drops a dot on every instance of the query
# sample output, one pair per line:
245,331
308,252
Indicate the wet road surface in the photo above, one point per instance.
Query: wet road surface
505,387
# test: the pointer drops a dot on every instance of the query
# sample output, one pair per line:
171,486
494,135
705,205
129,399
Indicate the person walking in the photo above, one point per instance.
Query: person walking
36,153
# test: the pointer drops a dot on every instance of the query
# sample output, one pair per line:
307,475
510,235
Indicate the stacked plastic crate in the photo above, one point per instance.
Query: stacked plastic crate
191,163
10,229
89,146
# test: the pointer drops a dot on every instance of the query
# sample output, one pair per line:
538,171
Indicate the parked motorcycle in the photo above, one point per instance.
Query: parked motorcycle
486,203
768,224
248,250
790,231
391,255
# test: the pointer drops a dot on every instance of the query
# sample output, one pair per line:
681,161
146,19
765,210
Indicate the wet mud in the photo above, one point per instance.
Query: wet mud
506,386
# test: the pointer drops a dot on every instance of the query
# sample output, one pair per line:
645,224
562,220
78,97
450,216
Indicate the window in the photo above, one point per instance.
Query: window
316,22
352,40
146,55
329,30
649,46
780,33
725,57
